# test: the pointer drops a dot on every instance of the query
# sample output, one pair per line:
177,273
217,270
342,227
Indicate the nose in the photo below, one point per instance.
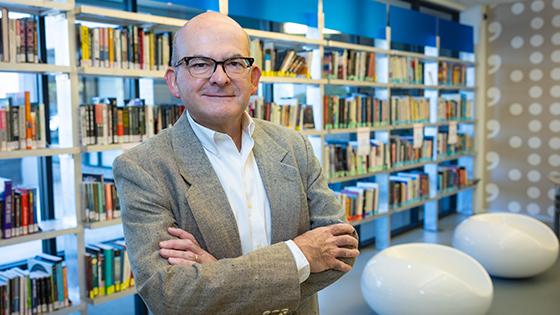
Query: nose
219,76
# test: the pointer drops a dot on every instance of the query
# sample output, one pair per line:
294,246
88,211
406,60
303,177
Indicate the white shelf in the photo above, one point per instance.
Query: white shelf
455,60
412,54
332,43
413,86
454,192
102,224
352,130
35,7
115,72
33,68
111,297
358,176
70,309
455,157
265,79
455,87
50,229
357,83
102,15
108,147
411,126
284,37
446,123
410,206
368,219
17,154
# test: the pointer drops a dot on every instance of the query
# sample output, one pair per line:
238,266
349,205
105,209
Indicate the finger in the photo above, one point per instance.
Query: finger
346,253
179,244
339,265
182,234
180,261
341,228
167,253
345,240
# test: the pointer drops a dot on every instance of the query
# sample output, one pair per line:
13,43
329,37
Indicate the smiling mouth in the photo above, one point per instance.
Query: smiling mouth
210,95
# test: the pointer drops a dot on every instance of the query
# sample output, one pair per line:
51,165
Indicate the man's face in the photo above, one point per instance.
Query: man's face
219,99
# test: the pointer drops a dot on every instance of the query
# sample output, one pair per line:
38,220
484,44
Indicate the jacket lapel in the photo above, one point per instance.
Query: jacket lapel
205,195
281,183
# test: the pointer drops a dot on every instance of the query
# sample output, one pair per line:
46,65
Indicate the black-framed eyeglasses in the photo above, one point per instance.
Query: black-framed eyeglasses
204,67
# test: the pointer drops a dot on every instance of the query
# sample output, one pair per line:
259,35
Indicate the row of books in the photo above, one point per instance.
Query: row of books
452,74
18,209
408,110
18,39
288,113
452,178
39,287
278,61
358,110
464,144
127,47
349,65
342,158
406,70
454,107
360,201
100,200
105,123
408,187
22,123
403,151
107,268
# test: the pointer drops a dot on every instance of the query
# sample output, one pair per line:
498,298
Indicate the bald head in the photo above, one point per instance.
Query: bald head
206,26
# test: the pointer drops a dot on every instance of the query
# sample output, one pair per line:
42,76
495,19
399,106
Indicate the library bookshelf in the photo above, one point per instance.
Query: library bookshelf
383,87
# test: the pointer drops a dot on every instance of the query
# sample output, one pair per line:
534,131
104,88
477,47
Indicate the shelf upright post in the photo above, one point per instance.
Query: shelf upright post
480,115
75,103
223,7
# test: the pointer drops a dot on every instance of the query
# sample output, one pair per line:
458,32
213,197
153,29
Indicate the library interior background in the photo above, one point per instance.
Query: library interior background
437,125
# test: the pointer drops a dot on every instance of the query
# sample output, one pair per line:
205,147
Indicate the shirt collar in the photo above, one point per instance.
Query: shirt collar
208,136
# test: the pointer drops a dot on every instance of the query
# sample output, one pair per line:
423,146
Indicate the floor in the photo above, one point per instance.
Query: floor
537,295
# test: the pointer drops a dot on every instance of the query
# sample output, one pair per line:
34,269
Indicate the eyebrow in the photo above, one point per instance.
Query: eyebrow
232,56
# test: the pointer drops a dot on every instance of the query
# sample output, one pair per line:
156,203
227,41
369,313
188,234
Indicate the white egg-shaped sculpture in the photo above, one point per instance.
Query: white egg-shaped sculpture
421,278
508,245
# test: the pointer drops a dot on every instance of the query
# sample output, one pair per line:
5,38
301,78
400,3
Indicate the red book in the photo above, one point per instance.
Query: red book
109,201
24,211
28,127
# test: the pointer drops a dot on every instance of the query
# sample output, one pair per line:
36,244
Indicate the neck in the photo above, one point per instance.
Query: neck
231,127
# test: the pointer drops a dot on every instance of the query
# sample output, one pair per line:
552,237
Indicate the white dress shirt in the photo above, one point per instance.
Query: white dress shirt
241,180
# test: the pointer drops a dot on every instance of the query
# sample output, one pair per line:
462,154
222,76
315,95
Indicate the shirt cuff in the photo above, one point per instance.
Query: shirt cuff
301,261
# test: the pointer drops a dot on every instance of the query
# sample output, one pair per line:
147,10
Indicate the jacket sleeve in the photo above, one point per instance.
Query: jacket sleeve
242,285
324,210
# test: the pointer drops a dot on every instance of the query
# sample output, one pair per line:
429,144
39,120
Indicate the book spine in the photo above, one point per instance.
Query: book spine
30,40
24,213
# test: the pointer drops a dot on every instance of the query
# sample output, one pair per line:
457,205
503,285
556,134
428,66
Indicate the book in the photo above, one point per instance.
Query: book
6,186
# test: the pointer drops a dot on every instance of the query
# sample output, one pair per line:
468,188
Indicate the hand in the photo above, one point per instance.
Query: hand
322,246
183,251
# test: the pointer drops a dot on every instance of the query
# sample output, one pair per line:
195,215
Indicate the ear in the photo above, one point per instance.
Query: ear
171,79
255,77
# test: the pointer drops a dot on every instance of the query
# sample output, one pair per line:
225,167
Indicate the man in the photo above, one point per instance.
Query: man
223,214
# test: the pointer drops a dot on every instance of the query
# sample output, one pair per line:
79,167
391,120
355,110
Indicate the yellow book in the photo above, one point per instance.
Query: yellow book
85,47
152,50
111,49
